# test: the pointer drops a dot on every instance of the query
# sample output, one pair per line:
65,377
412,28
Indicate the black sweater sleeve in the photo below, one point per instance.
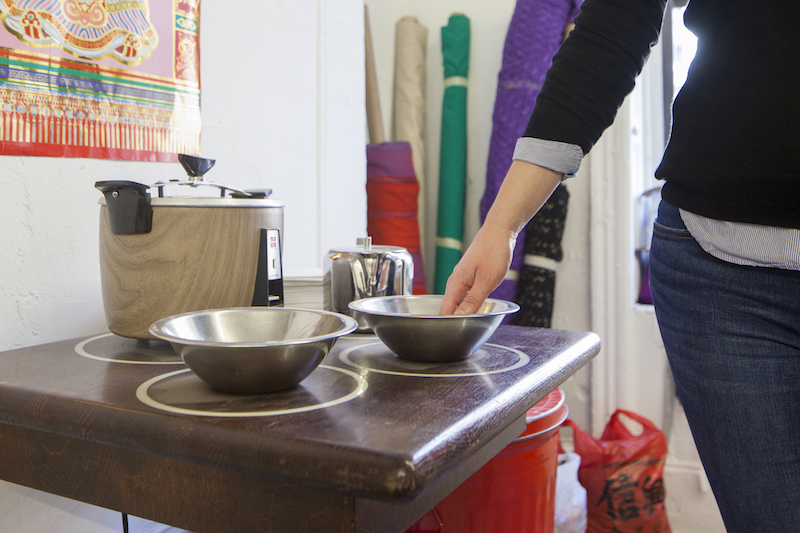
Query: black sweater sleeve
595,69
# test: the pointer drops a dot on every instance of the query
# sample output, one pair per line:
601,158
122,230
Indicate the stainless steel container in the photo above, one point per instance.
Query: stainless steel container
250,350
413,329
365,271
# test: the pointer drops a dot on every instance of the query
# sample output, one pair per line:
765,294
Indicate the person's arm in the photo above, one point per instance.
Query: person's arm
524,191
591,74
594,70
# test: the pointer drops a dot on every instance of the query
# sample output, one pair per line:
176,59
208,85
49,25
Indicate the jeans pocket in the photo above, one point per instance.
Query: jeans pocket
669,232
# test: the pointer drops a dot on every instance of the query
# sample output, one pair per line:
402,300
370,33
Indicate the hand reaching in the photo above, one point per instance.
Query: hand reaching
480,271
524,191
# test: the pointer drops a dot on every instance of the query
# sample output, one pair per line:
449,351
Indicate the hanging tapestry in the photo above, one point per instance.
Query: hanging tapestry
108,79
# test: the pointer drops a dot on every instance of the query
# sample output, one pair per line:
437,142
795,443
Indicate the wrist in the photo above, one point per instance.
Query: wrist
526,187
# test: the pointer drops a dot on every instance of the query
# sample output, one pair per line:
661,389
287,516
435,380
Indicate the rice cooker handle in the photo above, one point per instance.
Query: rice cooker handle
129,209
195,167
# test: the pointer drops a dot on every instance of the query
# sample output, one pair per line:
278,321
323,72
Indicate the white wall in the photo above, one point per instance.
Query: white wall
283,108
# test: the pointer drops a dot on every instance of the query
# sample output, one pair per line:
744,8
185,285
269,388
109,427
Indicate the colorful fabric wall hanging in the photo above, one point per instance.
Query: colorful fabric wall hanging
109,79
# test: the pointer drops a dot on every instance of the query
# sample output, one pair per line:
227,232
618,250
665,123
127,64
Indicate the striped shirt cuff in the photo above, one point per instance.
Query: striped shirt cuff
557,156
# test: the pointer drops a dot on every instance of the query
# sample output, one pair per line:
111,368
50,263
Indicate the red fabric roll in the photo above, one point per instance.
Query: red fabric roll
392,208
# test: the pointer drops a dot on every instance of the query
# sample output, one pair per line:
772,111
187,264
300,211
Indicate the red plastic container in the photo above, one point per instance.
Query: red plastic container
516,490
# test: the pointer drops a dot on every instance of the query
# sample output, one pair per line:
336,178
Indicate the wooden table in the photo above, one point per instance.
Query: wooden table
367,443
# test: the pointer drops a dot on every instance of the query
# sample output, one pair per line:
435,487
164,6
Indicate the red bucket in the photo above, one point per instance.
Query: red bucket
516,490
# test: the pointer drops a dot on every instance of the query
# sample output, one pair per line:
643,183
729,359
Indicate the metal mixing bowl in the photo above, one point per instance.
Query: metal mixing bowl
412,327
253,349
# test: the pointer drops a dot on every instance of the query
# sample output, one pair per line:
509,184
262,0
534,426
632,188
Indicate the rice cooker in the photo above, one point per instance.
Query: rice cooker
165,255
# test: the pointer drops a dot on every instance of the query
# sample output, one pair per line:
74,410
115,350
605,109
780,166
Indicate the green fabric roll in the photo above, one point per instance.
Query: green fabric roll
453,150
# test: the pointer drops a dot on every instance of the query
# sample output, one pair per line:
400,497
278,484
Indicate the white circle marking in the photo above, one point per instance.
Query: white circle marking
80,350
144,397
344,356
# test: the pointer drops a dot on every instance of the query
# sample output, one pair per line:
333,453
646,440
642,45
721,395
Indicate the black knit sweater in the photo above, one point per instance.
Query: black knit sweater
734,150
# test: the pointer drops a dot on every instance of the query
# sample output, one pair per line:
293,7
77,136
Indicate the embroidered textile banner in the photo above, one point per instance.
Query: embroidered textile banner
108,79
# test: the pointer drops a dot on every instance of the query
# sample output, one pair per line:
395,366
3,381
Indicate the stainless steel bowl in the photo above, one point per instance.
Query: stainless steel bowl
412,327
253,349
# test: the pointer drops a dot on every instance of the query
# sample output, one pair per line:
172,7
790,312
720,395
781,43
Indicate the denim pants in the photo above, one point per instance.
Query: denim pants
732,336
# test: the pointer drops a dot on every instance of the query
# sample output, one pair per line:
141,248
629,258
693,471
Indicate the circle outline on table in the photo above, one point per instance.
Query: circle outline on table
79,349
524,359
142,396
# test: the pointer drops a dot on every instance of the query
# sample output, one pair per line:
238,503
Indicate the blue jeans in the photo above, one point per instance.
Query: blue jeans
732,336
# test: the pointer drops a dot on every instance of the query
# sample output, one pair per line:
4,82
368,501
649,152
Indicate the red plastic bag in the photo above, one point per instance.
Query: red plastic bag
624,476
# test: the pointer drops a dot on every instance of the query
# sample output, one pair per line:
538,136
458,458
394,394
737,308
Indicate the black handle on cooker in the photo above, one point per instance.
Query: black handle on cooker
195,166
129,209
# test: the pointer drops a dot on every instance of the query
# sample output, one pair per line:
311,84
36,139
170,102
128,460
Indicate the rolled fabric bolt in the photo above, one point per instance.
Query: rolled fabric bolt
453,156
535,33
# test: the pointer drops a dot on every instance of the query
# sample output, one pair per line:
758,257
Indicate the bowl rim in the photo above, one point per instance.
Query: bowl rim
349,325
357,305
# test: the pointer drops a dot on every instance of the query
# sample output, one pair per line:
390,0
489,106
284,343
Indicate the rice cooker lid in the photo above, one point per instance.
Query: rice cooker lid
197,201
130,206
196,168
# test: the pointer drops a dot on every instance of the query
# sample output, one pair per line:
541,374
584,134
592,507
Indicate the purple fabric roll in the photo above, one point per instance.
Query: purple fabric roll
534,35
